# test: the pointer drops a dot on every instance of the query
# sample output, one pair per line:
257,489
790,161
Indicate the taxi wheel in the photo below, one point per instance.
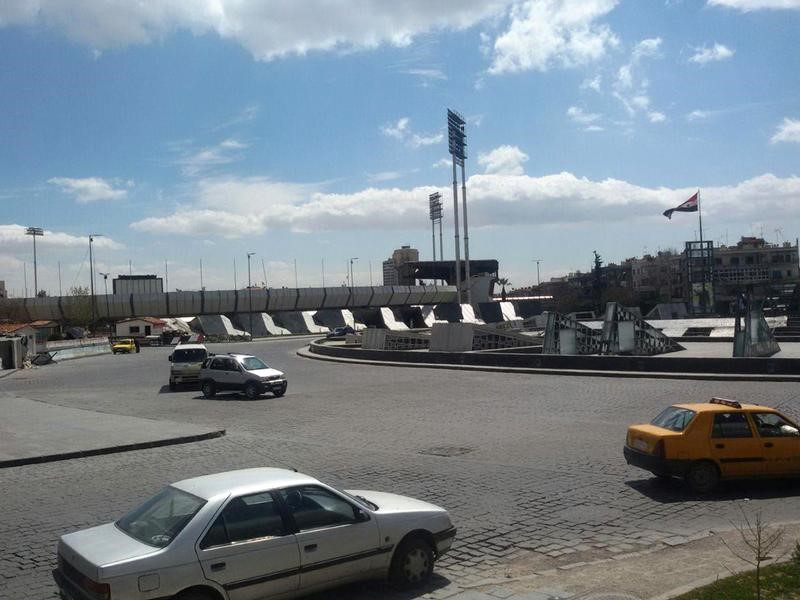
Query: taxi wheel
412,563
702,477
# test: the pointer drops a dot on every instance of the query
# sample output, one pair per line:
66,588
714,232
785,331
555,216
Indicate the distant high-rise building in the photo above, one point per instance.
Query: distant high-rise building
391,266
2,289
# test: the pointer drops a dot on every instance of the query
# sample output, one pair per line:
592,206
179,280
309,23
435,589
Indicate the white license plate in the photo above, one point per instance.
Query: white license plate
640,445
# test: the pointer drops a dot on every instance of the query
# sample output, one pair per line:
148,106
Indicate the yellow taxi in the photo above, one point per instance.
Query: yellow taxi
720,439
126,345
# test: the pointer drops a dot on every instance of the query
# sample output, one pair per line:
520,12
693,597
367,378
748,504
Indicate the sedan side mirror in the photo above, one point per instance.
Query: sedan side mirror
360,515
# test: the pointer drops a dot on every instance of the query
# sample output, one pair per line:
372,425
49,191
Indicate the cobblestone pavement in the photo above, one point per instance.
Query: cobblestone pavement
528,465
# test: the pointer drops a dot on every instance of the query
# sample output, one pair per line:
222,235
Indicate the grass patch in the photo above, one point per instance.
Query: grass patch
778,582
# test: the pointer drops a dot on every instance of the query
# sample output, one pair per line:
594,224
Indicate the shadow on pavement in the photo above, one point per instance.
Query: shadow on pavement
674,490
380,589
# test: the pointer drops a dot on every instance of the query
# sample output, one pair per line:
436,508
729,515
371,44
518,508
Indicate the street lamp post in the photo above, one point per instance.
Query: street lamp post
105,287
352,275
34,232
250,293
537,261
91,275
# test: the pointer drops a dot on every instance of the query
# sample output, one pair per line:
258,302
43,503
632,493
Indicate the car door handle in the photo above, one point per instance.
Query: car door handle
719,445
310,548
768,445
220,566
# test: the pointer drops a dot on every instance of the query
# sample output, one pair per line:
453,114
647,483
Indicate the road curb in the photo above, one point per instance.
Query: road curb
35,460
305,353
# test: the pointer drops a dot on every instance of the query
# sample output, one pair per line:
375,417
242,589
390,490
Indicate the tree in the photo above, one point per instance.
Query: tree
503,281
78,308
41,294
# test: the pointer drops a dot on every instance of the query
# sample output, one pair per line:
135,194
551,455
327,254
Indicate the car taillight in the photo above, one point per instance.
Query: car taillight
660,450
100,591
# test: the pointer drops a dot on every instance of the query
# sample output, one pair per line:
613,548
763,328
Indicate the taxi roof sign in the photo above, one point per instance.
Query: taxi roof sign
725,402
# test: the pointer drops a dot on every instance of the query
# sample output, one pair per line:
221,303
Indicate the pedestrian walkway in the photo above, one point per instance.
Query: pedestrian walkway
36,432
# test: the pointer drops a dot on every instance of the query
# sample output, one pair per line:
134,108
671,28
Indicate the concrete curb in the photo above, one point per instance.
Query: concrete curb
306,353
19,462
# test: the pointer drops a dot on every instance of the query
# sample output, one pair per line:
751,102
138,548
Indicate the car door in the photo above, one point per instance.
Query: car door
220,373
737,451
780,439
234,373
249,549
337,540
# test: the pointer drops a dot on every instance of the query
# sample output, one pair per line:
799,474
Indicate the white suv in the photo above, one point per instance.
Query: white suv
241,372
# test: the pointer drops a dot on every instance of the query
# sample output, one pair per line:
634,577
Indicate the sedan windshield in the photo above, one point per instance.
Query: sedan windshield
674,418
162,517
251,363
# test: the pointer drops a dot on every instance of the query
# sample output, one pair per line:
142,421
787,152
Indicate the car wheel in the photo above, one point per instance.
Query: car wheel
209,389
663,478
195,595
280,391
251,391
702,477
412,563
172,385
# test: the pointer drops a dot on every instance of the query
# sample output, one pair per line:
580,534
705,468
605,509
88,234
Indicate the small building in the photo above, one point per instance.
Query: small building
25,331
140,327
137,284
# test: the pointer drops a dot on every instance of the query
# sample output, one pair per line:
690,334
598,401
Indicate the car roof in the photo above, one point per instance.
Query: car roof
243,481
190,347
709,407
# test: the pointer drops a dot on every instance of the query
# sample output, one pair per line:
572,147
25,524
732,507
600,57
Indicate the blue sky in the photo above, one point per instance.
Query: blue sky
189,130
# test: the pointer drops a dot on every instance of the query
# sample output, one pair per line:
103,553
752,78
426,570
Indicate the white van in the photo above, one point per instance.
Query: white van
186,361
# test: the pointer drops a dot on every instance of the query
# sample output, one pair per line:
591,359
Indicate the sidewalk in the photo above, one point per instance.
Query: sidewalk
655,574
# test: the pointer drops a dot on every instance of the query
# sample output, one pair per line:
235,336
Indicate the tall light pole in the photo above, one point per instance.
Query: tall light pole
105,286
352,275
250,293
35,232
456,138
91,274
537,261
435,213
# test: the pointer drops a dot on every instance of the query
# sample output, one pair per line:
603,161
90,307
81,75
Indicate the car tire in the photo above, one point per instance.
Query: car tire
195,595
702,477
280,391
251,390
208,388
412,563
172,386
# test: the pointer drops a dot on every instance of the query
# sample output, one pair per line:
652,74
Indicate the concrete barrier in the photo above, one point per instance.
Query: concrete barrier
310,298
381,296
311,325
72,349
390,321
468,315
282,299
451,313
336,297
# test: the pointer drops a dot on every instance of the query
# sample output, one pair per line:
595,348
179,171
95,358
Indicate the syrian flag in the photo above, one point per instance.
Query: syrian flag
689,206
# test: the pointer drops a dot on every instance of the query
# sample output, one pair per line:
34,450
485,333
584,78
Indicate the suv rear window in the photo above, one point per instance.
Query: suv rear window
674,418
195,355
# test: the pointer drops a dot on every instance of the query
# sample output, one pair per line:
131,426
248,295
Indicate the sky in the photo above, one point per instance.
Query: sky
312,132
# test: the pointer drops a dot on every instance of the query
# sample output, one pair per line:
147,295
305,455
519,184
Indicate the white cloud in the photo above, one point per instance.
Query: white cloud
503,160
592,84
503,197
427,73
553,33
266,29
594,128
749,5
656,117
384,176
699,115
716,53
13,234
788,131
401,131
197,162
91,189
442,162
631,88
578,115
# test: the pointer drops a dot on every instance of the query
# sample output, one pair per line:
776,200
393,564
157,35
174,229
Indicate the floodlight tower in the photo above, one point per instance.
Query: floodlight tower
435,207
35,232
456,138
91,274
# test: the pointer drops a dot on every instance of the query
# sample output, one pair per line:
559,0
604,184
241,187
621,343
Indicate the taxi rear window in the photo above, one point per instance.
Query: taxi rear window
674,418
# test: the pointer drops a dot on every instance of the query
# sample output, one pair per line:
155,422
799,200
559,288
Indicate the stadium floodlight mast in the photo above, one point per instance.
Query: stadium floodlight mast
35,232
105,286
456,141
435,208
352,275
250,293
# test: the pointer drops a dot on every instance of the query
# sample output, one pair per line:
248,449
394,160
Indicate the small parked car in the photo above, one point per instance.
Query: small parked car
186,361
123,346
253,533
241,372
721,439
340,332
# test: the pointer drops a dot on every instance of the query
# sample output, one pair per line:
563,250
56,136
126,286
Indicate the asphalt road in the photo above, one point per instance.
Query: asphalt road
530,466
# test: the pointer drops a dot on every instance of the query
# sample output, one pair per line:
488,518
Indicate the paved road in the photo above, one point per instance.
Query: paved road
529,465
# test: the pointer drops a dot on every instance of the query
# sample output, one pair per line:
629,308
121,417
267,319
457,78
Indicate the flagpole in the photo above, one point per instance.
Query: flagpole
700,214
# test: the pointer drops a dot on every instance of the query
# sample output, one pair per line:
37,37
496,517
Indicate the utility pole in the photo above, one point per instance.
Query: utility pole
105,286
352,275
323,272
91,275
166,276
250,293
202,287
537,261
35,232
59,279
295,275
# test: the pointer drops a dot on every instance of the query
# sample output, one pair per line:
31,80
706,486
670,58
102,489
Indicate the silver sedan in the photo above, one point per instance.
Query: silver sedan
249,534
